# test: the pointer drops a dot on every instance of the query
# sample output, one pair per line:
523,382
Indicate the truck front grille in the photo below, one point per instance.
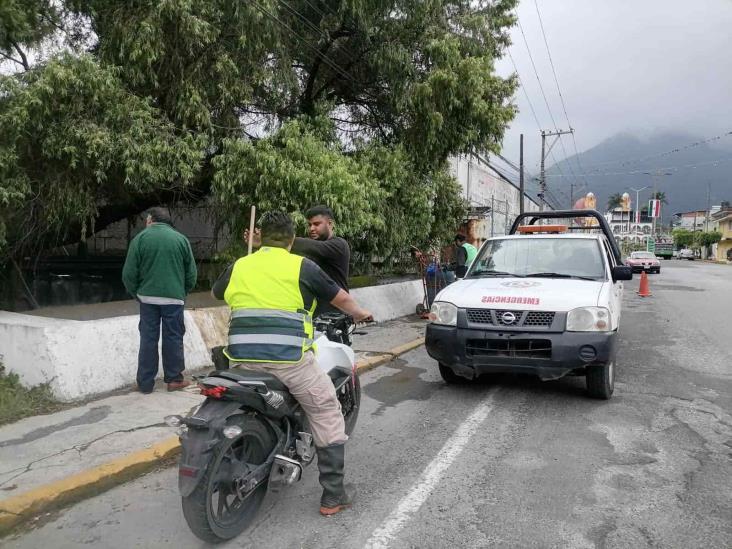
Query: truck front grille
518,319
509,348
480,316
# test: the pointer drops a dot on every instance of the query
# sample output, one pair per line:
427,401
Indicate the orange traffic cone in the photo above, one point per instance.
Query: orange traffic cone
644,290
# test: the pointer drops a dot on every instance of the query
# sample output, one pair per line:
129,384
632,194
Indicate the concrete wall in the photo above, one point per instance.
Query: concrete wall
483,188
84,358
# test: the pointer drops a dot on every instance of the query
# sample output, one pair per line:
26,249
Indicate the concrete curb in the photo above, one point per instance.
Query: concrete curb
92,482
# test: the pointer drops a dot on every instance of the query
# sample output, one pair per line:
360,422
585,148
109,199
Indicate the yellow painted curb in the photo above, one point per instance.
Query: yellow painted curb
90,482
98,479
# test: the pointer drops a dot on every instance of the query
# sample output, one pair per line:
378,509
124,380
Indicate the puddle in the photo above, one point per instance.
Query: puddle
402,385
675,288
93,415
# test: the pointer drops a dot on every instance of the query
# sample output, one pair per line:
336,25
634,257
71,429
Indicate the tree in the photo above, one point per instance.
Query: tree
708,238
282,104
614,201
26,24
683,238
659,195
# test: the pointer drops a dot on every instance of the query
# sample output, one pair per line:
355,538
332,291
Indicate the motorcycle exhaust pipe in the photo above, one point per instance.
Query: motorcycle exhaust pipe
285,471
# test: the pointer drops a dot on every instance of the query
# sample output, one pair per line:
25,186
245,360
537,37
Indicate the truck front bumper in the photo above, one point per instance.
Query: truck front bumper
549,355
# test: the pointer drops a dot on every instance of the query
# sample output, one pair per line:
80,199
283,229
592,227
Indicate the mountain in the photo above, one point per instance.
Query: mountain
616,165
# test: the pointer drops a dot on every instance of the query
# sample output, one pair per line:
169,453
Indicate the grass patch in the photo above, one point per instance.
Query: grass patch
17,402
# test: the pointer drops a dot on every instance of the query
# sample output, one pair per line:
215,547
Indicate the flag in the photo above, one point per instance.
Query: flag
654,208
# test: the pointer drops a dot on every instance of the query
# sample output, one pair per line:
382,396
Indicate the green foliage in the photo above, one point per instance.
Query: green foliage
683,238
74,138
380,202
659,195
354,103
706,239
614,201
25,23
17,402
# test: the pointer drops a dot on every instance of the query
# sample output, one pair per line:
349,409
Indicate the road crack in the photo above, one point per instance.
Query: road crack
79,448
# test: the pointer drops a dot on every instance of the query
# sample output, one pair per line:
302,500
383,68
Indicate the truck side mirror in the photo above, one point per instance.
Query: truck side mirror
622,272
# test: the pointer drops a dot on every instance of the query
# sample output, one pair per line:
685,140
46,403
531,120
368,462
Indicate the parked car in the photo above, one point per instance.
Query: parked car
541,300
643,261
686,253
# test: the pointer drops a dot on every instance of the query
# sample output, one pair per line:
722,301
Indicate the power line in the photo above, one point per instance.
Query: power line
665,153
521,83
643,171
546,102
531,105
559,90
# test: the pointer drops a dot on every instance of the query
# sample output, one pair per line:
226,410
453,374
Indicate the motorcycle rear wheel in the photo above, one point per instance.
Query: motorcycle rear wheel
214,511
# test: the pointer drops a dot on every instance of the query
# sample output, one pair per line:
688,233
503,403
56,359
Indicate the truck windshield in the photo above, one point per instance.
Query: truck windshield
540,257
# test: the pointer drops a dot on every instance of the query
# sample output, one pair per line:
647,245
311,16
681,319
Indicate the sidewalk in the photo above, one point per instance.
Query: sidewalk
40,451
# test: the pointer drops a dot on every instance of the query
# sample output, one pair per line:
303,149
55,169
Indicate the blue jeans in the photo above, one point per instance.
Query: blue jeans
171,318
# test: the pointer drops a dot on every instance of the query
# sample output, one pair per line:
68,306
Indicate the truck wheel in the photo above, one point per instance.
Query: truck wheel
451,377
600,380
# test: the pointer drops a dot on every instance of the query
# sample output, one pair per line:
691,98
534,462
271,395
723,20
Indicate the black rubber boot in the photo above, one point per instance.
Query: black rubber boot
336,496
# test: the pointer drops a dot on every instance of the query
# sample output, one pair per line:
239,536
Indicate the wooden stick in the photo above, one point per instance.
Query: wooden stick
251,230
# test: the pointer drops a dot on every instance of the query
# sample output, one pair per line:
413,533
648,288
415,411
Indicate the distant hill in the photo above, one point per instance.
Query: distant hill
686,188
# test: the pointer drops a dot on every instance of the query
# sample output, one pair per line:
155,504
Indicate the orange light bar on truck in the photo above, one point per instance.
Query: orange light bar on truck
553,229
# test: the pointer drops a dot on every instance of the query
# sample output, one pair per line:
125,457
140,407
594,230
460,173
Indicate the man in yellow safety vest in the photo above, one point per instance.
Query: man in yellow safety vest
272,294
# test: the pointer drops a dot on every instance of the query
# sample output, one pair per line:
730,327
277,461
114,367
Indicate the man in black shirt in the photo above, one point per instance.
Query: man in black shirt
331,253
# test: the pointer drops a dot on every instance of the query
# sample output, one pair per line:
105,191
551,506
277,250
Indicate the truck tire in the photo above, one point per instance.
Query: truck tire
451,377
600,379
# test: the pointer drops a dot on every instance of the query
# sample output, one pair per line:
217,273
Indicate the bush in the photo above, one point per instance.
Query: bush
17,401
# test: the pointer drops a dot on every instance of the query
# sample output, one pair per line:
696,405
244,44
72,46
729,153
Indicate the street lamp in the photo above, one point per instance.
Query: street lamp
657,173
637,201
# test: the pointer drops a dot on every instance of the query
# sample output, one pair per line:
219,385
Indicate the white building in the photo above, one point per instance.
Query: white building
626,229
493,197
692,221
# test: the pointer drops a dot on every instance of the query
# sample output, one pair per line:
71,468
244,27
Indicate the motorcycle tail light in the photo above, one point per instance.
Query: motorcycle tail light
213,392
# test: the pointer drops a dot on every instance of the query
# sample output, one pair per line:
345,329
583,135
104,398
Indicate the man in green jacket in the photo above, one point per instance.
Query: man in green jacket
159,272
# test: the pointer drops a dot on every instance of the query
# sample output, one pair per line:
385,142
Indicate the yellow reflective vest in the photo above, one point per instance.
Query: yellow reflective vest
269,322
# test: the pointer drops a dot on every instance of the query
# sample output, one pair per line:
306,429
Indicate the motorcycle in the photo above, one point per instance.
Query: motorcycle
251,436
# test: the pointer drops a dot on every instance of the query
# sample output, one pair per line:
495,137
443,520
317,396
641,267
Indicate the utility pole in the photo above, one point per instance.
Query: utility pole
709,206
521,173
542,177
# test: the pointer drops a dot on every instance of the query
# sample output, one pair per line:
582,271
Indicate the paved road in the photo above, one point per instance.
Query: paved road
509,462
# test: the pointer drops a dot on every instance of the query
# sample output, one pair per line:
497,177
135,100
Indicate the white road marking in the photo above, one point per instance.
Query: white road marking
430,477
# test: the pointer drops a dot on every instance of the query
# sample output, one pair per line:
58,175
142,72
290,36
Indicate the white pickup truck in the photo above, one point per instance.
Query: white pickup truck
543,300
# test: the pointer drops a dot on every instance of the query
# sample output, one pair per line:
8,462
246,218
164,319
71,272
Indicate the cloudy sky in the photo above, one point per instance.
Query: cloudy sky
637,66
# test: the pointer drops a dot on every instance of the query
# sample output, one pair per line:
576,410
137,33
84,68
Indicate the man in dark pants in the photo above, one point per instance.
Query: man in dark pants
159,272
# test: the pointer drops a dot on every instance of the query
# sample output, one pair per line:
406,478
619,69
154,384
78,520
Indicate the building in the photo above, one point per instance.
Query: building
691,221
493,197
721,221
626,229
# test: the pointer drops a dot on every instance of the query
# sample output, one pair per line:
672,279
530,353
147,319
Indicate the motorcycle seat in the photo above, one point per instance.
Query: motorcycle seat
238,374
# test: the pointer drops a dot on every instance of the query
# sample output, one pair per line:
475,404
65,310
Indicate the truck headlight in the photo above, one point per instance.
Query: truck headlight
443,312
589,319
